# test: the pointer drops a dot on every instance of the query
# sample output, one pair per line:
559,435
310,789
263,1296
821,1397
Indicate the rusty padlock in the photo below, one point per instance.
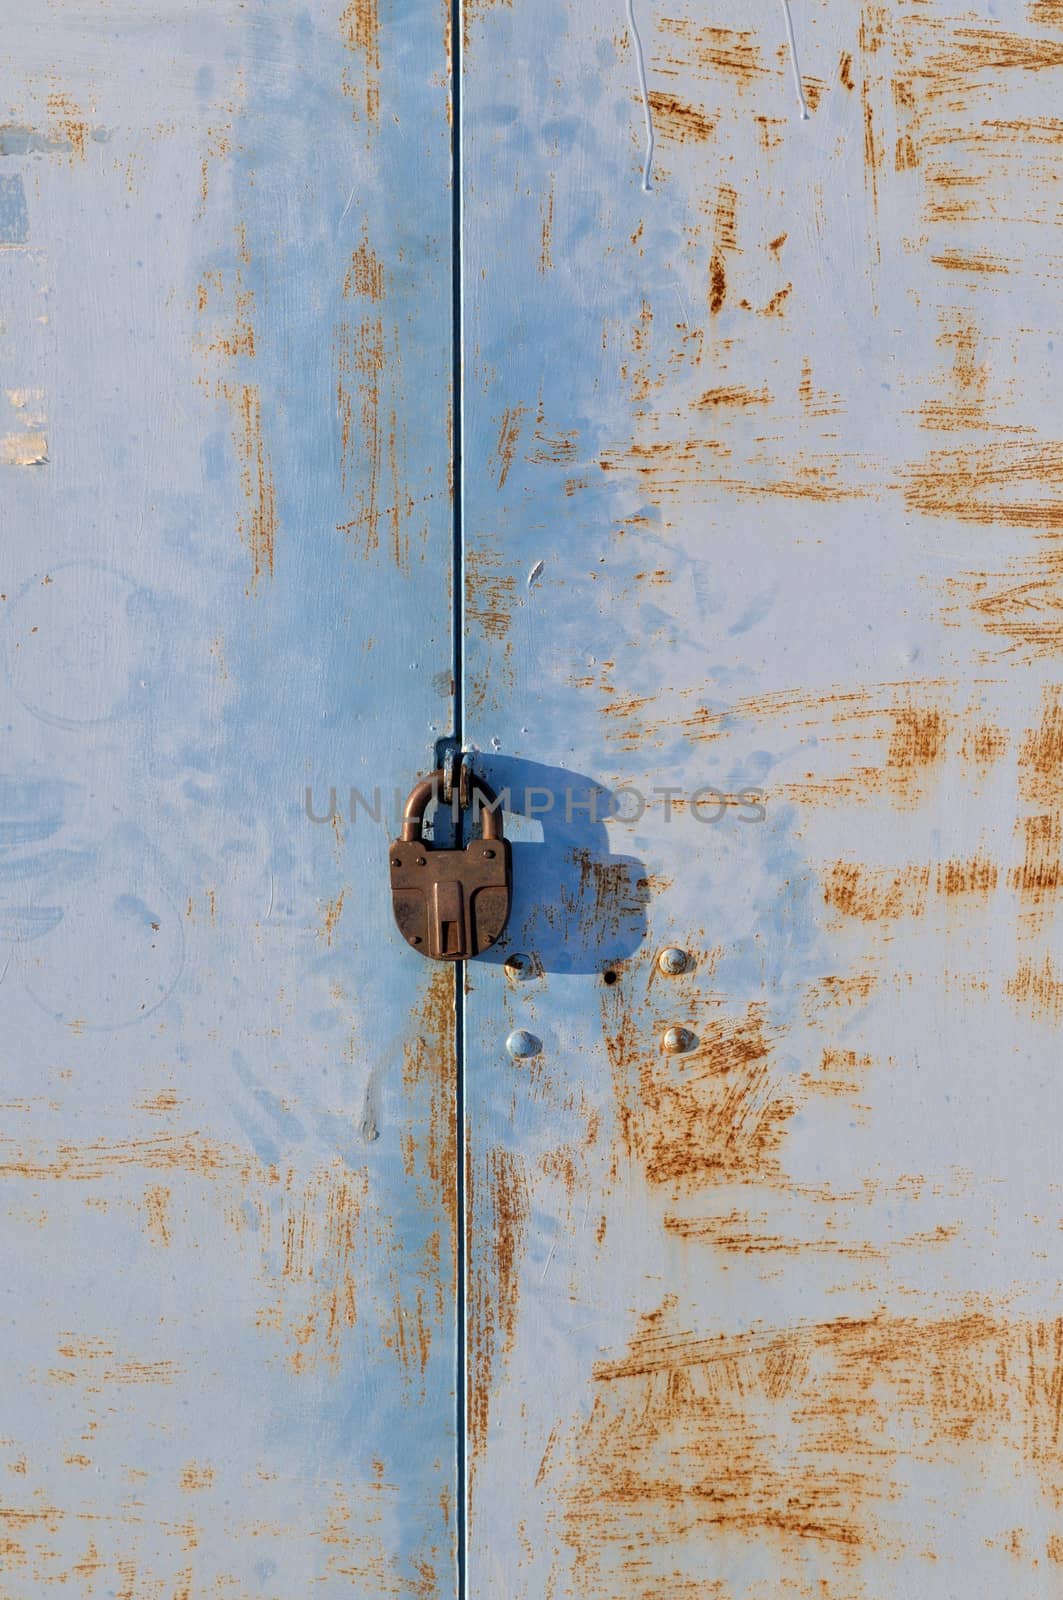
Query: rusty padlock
450,905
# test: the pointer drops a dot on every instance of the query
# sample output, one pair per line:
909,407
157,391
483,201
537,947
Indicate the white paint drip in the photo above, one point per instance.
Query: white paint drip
798,85
640,62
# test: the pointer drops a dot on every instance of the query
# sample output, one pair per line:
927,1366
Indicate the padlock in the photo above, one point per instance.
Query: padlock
450,904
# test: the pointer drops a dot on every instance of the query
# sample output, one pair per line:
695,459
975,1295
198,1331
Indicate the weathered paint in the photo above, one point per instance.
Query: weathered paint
777,1315
760,491
227,1159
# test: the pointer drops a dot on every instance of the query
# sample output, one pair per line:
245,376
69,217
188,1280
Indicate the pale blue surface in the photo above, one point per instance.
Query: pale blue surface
184,1418
927,1189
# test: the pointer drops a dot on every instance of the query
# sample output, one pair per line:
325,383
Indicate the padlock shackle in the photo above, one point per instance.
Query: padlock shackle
428,789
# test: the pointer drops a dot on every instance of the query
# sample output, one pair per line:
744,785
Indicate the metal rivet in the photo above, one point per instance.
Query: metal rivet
421,861
490,854
673,961
396,861
518,965
522,1045
676,1040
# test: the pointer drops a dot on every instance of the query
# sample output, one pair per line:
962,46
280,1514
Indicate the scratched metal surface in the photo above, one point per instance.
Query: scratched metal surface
763,489
226,1157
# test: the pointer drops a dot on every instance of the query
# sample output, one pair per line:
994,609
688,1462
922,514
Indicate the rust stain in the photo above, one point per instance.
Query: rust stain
816,402
68,125
370,440
1041,753
969,261
258,525
98,1159
365,274
967,378
509,429
825,478
684,47
977,875
219,146
770,132
315,1304
360,32
194,1477
735,395
605,896
554,447
893,738
737,1234
1038,988
843,989
671,469
717,1113
725,218
717,283
218,141
876,895
157,1208
431,1065
234,344
332,911
498,1208
1040,875
490,592
885,894
798,1439
975,50
984,745
725,239
92,1365
677,121
872,35
776,305
917,744
421,1303
546,234
939,98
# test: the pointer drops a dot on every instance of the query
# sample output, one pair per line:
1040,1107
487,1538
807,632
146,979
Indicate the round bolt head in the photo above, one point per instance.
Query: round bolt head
673,961
676,1040
519,965
522,1045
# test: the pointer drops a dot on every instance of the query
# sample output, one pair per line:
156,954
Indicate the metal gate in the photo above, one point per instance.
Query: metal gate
661,402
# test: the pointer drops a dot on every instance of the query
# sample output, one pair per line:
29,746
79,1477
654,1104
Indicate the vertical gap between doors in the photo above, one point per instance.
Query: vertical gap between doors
457,327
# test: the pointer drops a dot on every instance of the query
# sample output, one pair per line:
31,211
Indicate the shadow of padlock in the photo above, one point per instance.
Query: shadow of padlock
576,907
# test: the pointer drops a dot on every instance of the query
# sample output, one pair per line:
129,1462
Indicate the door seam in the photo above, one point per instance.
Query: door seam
457,628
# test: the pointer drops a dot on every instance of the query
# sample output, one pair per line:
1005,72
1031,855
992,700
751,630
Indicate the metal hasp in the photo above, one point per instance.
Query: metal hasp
450,905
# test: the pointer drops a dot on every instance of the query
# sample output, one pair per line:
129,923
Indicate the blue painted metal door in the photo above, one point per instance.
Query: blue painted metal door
762,509
227,1146
727,1180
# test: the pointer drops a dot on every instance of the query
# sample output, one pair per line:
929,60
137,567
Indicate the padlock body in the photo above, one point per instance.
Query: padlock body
451,905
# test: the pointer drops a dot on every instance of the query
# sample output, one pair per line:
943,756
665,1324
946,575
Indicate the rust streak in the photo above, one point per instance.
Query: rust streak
797,1440
678,121
498,1227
